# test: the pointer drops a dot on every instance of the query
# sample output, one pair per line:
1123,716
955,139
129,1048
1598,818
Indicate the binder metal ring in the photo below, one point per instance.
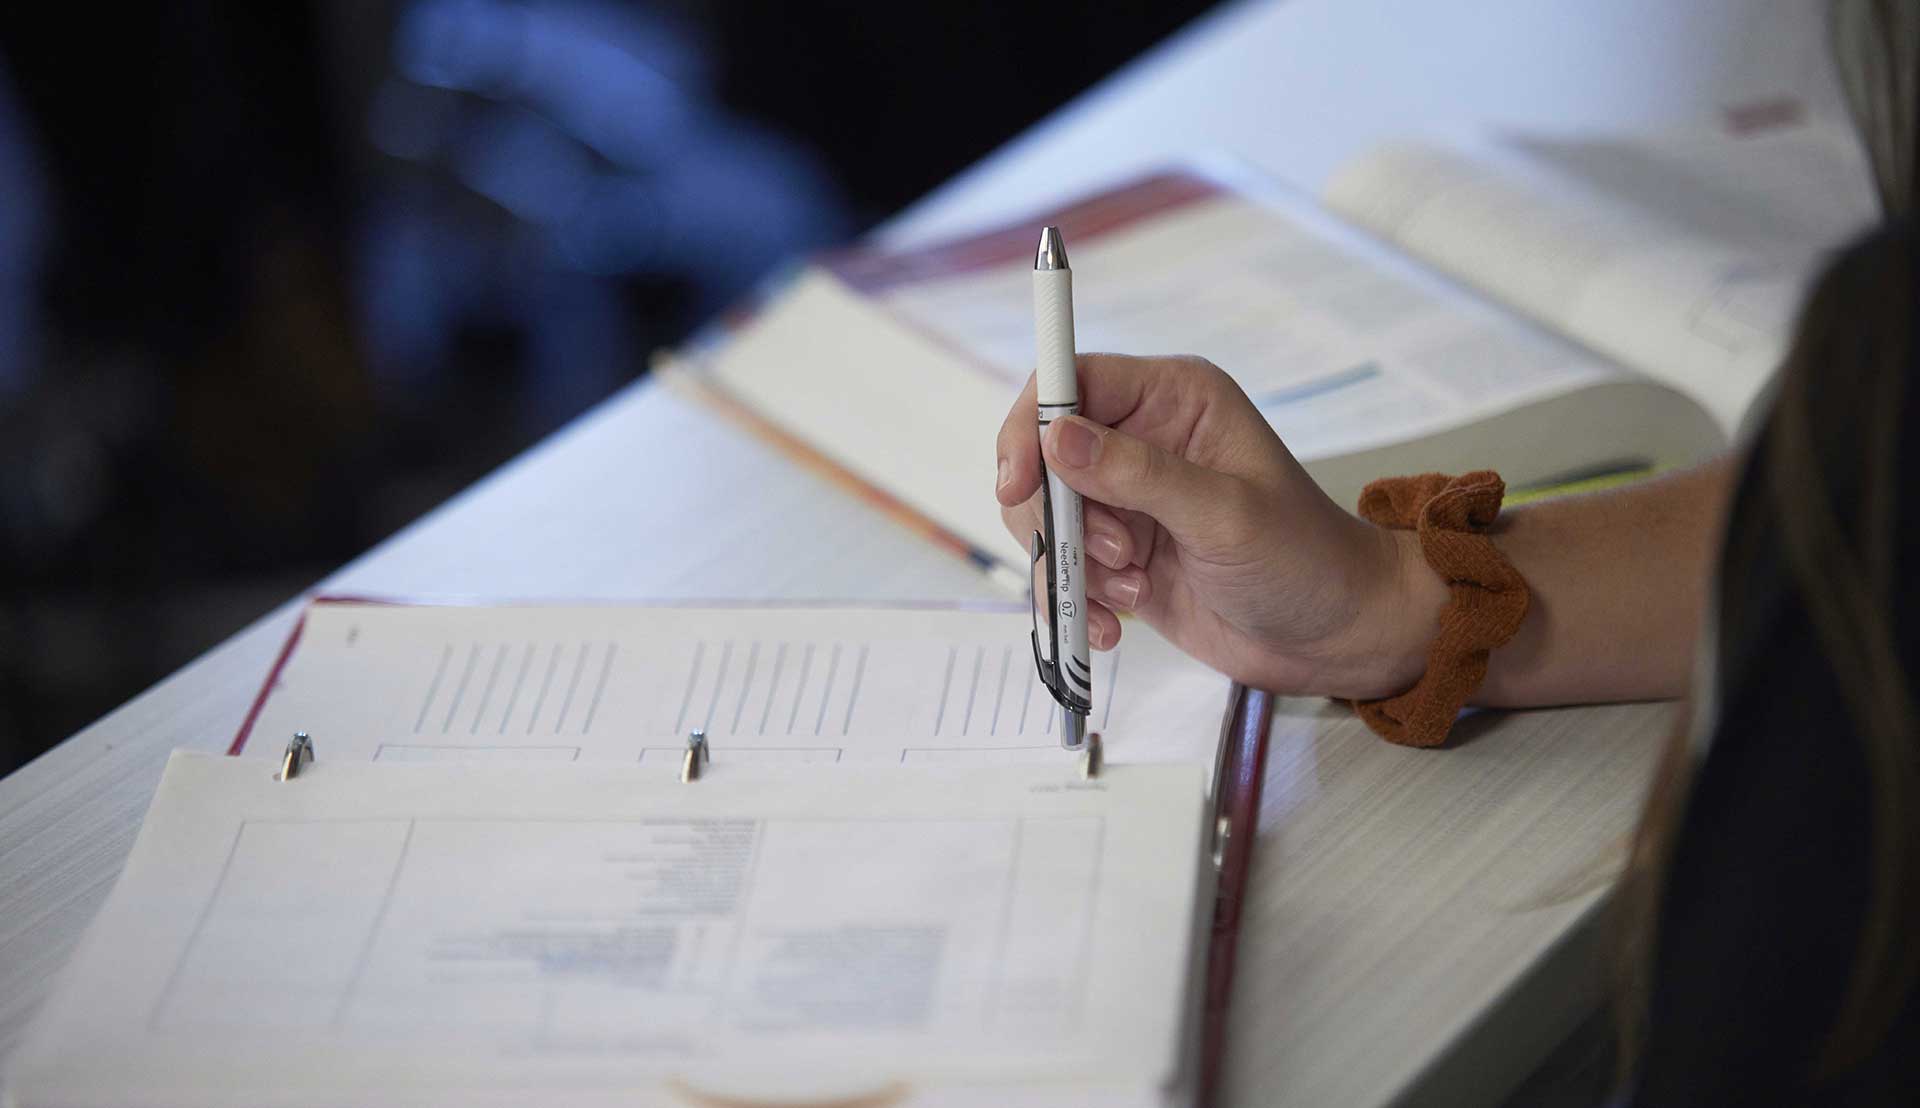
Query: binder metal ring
299,752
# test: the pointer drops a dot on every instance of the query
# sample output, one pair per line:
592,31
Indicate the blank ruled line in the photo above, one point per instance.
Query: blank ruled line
946,686
546,686
800,690
373,933
973,688
693,678
1006,918
719,682
773,685
433,686
460,693
526,663
599,689
853,697
486,696
746,686
573,686
1027,700
833,668
1113,688
1000,696
200,925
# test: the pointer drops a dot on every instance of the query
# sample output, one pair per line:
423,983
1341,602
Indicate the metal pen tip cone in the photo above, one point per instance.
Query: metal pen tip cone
1053,250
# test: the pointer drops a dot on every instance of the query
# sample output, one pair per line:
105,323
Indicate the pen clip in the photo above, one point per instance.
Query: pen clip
1046,664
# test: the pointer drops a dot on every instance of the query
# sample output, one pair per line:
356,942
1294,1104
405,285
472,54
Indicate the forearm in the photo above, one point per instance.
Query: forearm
1618,582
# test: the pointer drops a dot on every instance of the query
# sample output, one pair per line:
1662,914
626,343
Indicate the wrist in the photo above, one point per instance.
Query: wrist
1399,617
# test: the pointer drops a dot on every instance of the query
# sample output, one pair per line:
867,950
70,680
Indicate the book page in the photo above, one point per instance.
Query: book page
484,935
1342,346
875,397
899,369
1684,255
782,686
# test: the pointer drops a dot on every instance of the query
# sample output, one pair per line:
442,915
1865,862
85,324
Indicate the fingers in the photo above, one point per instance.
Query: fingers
1108,588
1103,627
1123,590
1165,393
1023,519
1018,471
1114,386
1109,542
1125,472
1108,539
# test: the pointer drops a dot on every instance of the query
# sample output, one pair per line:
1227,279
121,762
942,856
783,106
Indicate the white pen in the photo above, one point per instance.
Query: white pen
1058,391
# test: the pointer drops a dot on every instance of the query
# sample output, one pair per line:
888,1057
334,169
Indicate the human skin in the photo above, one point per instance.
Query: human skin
1202,523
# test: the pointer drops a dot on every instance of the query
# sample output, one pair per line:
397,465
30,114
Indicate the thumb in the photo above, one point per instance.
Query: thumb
1117,469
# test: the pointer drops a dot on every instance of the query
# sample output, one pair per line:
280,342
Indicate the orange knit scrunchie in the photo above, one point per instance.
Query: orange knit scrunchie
1488,596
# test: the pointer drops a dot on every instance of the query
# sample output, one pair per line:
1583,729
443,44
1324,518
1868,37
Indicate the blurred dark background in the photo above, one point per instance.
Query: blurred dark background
277,278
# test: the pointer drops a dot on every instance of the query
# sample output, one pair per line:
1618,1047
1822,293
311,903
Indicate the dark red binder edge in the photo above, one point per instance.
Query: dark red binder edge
1084,217
1243,757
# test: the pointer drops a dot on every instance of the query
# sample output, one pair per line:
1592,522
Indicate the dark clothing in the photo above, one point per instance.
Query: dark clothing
1769,882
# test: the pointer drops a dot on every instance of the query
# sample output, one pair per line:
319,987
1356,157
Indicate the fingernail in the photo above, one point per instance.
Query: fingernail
1124,591
1004,474
1075,444
1105,550
1097,636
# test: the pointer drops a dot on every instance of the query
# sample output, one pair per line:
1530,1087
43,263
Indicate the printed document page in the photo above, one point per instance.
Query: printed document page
1682,255
769,685
463,934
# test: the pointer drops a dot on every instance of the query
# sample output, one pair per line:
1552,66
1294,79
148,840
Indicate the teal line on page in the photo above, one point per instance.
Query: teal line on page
1310,389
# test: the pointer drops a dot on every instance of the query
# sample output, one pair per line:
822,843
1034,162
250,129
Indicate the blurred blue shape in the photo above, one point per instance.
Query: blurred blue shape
609,91
419,276
525,164
22,238
729,209
410,122
591,128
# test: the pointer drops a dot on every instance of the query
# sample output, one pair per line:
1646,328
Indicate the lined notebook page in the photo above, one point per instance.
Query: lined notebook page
787,686
492,935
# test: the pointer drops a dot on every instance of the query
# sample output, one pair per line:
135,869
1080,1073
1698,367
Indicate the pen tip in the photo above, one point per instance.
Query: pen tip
1053,250
1073,729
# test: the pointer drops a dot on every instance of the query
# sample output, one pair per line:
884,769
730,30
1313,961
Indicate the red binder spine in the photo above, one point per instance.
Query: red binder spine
1237,801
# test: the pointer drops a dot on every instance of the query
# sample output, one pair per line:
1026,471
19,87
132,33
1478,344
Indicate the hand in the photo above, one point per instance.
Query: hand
1201,522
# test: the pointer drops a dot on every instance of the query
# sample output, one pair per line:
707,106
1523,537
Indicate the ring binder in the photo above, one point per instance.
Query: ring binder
299,752
697,756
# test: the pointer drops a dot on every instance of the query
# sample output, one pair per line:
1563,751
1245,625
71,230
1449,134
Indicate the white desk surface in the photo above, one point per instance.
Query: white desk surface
1418,920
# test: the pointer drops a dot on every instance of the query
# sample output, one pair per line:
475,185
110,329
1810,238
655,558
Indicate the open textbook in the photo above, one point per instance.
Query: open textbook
490,935
787,685
1551,309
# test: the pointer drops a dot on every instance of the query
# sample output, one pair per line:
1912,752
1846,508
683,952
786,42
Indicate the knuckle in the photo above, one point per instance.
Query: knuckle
1206,371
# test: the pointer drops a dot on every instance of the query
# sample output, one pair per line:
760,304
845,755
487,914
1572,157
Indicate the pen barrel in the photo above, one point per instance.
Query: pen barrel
1053,337
1071,657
